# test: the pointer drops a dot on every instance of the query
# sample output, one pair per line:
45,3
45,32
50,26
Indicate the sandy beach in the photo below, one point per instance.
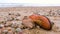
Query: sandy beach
53,13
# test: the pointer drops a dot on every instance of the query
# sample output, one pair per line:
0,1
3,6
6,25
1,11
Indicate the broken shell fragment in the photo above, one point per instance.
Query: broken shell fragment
42,21
27,22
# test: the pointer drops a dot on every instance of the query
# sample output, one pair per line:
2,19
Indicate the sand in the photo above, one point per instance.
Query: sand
53,13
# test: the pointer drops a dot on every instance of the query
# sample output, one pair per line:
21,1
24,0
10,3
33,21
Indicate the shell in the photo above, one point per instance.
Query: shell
27,22
42,21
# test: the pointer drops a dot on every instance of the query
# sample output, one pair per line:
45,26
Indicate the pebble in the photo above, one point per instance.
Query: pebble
14,19
8,23
1,25
5,31
56,28
18,30
10,32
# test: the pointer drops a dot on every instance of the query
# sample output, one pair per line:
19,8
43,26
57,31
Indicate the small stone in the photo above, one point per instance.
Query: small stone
56,28
17,18
9,28
0,32
1,25
18,30
17,24
13,29
1,19
9,23
5,31
14,25
10,32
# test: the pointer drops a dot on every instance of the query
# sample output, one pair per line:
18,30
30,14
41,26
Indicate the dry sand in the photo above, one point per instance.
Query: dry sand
53,13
